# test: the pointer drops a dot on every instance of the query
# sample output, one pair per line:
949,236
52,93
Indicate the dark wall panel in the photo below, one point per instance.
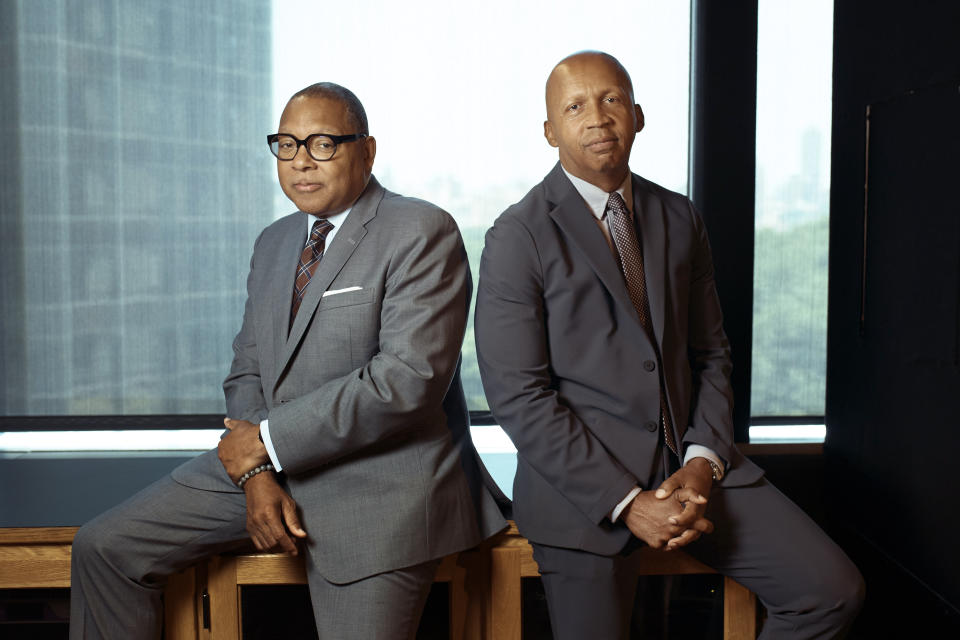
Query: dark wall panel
893,381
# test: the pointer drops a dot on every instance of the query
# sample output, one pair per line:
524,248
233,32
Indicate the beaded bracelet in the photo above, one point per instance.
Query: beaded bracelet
249,474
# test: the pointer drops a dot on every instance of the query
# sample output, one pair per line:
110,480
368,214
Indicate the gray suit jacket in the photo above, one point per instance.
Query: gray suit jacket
363,395
571,375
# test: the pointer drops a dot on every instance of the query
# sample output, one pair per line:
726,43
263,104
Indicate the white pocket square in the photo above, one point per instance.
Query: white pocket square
333,292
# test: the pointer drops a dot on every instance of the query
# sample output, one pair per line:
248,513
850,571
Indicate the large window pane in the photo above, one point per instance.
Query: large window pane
454,94
136,175
133,184
794,66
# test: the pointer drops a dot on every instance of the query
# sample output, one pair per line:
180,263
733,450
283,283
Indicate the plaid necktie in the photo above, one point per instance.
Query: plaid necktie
309,259
631,262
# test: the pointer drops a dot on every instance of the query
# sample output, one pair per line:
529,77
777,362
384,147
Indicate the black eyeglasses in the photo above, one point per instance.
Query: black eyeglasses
320,146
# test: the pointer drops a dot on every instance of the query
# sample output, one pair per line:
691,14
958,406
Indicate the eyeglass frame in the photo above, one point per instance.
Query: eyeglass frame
337,141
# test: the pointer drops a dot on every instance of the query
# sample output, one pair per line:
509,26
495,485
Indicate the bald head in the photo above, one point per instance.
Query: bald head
591,117
585,58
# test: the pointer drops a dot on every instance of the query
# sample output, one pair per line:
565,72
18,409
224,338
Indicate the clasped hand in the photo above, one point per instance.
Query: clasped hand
672,516
272,519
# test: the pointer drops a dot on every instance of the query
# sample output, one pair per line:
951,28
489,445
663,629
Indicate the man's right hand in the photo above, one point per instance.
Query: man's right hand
271,515
648,518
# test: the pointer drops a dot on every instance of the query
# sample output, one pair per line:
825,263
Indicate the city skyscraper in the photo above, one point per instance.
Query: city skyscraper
134,181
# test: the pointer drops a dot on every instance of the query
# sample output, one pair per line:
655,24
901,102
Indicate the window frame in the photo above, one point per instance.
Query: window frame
722,107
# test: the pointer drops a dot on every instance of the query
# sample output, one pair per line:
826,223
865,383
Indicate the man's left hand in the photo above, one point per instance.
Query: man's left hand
241,450
272,519
692,484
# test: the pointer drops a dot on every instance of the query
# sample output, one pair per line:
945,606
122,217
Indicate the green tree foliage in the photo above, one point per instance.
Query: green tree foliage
790,320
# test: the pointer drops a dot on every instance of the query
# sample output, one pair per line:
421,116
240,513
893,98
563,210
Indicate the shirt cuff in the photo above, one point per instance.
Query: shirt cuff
265,436
700,451
617,510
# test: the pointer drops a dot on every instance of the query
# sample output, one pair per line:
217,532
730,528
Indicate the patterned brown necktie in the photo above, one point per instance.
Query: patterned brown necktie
631,262
309,259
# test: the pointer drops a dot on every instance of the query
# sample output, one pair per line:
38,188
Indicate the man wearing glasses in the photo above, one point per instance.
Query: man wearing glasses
348,429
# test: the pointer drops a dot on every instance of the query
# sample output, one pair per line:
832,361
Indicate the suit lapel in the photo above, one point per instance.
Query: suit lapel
573,216
648,215
343,246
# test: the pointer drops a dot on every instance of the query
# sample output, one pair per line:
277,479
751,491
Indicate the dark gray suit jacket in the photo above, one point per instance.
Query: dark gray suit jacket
571,375
367,414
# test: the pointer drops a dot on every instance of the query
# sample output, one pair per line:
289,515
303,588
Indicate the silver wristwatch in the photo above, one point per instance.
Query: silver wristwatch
715,469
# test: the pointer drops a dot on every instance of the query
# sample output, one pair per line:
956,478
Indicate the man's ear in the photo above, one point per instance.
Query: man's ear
548,134
639,113
370,151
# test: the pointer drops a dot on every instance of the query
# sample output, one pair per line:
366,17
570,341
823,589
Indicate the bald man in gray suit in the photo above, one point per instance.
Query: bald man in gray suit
349,436
603,356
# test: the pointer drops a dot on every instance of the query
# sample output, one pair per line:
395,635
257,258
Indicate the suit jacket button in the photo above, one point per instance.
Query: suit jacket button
649,365
651,426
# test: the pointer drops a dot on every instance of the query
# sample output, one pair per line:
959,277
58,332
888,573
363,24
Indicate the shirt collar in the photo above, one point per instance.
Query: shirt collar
596,198
336,220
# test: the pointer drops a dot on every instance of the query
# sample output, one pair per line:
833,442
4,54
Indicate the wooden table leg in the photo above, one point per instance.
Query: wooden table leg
179,610
223,600
475,594
739,611
504,604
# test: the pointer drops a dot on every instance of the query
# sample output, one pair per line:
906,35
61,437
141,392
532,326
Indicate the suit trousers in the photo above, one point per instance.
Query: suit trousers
765,542
122,559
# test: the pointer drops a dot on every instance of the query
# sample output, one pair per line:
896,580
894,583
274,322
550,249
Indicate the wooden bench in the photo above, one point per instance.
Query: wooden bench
200,603
500,615
226,575
39,558
204,602
512,560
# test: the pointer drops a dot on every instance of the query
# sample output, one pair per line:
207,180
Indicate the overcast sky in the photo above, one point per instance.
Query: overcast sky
454,91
